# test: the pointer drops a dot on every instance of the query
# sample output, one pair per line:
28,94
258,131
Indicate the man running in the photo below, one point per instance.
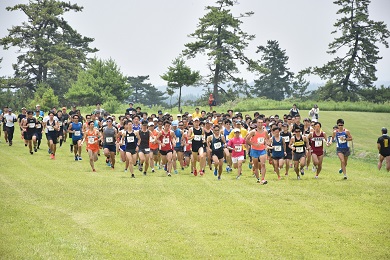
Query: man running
316,139
52,126
75,128
110,135
236,146
384,149
196,134
10,120
92,135
299,144
30,128
216,142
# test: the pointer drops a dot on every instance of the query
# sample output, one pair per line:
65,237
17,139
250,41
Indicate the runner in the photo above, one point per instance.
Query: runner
143,137
225,131
208,132
51,126
39,128
287,137
316,139
298,145
153,145
278,147
166,138
178,152
384,149
307,129
92,135
110,135
196,134
30,128
77,135
258,139
22,123
131,147
236,146
342,136
217,143
10,120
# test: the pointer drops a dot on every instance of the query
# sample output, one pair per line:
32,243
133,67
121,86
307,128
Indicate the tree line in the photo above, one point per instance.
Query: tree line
53,65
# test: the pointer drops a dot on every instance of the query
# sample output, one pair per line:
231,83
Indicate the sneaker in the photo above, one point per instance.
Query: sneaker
182,168
341,171
35,149
263,182
250,166
227,168
201,172
80,159
279,178
93,170
48,151
345,177
165,168
195,173
175,172
298,177
286,174
314,169
316,177
258,181
112,167
237,177
145,173
132,175
76,158
51,156
219,178
31,152
302,171
169,174
125,170
152,169
140,168
215,172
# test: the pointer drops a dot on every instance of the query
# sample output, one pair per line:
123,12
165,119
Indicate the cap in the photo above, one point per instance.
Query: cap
335,127
9,109
196,119
23,108
238,122
208,122
166,113
38,105
150,124
236,130
175,123
160,112
155,119
284,124
29,112
178,115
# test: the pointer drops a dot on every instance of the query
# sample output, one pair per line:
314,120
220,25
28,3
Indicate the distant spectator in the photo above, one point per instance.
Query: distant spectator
98,109
313,113
38,108
130,109
211,102
294,111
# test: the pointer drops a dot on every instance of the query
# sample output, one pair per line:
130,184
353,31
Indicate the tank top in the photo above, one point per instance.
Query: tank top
341,139
109,136
226,133
278,151
165,138
78,133
50,127
92,140
216,144
178,136
31,123
258,138
316,142
299,145
152,138
286,137
130,140
198,137
144,144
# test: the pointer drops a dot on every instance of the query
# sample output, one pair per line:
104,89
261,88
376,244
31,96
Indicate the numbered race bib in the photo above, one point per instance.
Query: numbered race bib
189,141
109,139
31,125
299,149
59,123
147,149
151,139
286,139
50,128
77,133
197,137
238,148
91,139
317,143
260,140
165,140
278,148
342,140
39,126
130,139
217,145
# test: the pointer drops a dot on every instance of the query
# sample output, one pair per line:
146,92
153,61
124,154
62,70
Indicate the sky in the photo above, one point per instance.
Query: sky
145,36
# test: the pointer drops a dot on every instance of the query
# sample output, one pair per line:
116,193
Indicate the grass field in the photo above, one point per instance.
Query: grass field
61,210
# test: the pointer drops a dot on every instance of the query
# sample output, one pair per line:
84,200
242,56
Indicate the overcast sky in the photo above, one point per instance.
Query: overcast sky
144,36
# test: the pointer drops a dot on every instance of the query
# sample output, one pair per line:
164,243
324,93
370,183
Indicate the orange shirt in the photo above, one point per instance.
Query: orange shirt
92,140
153,137
259,138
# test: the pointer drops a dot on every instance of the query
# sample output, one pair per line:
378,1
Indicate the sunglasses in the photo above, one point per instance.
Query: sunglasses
109,121
181,125
340,125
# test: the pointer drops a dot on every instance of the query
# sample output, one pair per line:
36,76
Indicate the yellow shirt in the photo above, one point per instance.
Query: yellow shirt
198,115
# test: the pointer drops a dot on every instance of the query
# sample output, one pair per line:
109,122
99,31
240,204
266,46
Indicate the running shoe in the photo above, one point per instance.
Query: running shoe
125,170
195,173
250,166
80,159
35,149
263,182
76,158
341,171
175,172
201,172
152,169
132,175
145,173
314,169
302,171
219,178
279,178
345,177
169,174
48,151
93,170
31,152
237,177
215,172
316,177
51,156
298,177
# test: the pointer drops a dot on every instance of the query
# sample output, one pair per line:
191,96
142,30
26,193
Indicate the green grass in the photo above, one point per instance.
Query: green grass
61,210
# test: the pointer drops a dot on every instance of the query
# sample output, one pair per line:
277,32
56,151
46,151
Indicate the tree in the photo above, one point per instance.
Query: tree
300,84
219,35
275,82
99,82
45,97
180,75
50,50
355,68
144,92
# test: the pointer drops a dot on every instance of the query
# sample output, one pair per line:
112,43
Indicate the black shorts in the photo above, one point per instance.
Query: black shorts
187,154
4,127
52,137
144,150
154,151
298,156
218,153
179,149
288,156
165,152
28,136
111,148
25,136
132,151
195,149
70,135
74,142
38,135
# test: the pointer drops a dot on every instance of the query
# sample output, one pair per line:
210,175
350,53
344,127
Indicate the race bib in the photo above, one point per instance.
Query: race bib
342,140
109,139
197,137
31,125
299,149
277,148
39,126
317,143
238,148
50,128
189,141
260,140
59,123
151,139
130,139
147,149
91,139
217,145
77,133
286,139
165,140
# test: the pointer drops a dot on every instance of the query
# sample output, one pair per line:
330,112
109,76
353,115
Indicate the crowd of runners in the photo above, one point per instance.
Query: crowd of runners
198,140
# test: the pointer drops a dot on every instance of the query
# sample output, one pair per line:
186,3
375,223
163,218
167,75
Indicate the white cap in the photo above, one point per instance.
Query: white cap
155,119
150,124
178,115
196,119
236,130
